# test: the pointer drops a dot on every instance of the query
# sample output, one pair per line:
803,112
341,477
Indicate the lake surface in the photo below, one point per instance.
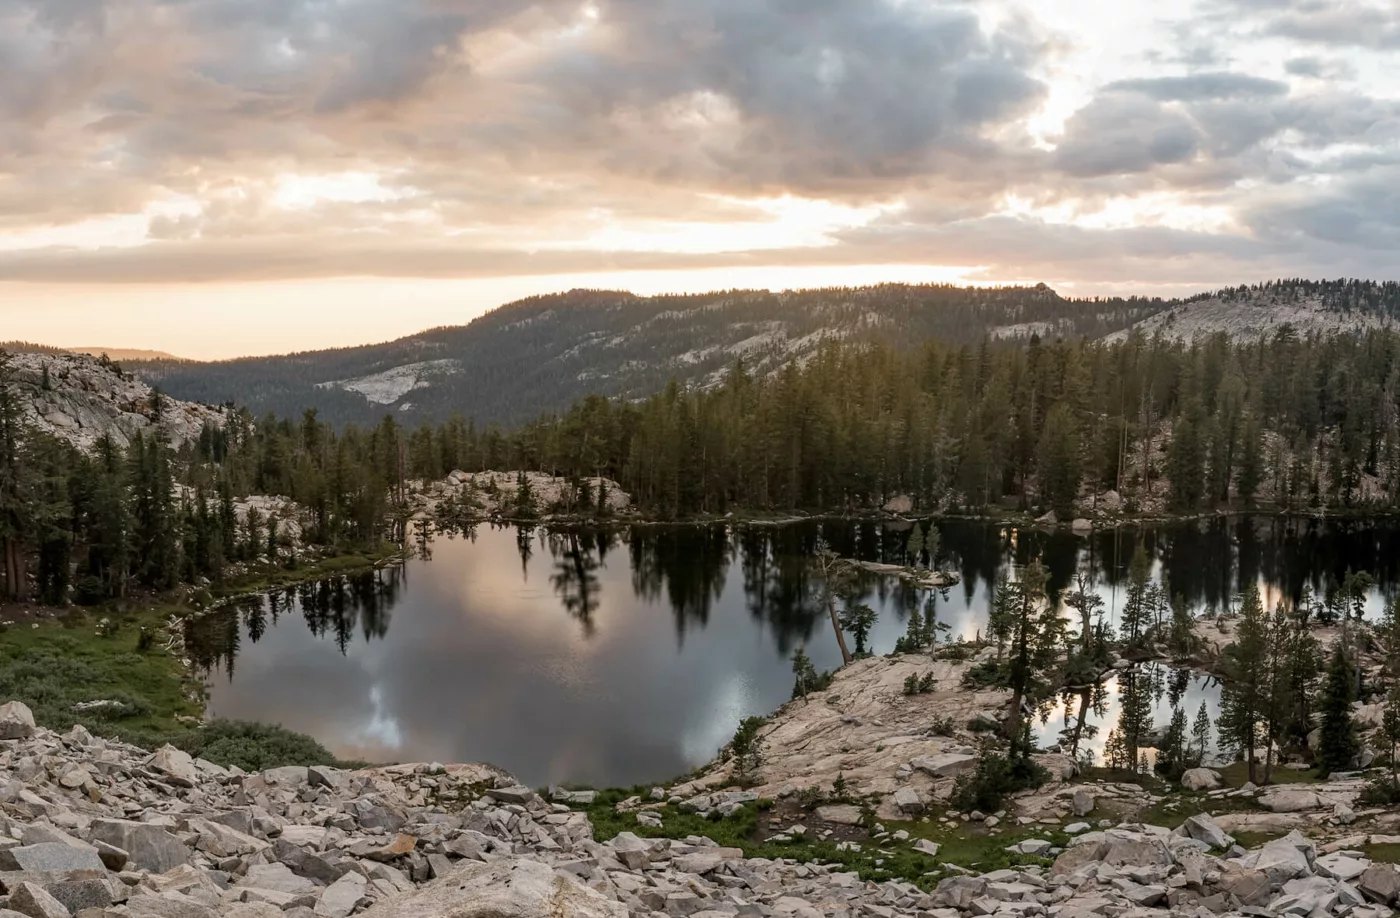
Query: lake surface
620,657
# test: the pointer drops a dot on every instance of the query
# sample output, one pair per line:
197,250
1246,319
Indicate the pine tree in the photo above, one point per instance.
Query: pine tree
1173,754
1200,736
1251,470
1034,637
803,672
1137,611
858,620
913,640
1245,691
914,548
1059,465
1337,742
1134,713
1087,603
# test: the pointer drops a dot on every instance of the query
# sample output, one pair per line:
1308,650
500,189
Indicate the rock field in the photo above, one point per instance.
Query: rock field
98,829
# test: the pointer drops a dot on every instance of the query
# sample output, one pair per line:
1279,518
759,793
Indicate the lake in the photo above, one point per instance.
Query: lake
619,657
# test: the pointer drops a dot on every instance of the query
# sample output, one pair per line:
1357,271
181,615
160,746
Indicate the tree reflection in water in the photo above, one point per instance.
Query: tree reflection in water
688,568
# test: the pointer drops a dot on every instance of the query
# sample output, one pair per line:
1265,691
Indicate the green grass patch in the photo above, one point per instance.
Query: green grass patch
1382,854
57,665
877,860
1236,774
1255,839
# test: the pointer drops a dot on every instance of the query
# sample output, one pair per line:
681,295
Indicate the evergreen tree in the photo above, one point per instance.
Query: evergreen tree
803,672
1251,470
1245,691
858,619
914,548
1337,742
1059,465
1137,611
1134,713
1200,736
1173,754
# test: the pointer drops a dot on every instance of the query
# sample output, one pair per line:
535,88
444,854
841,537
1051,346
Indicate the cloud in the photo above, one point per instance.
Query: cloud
231,139
1199,86
1339,23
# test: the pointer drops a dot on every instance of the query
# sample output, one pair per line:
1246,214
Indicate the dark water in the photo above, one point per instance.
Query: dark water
614,658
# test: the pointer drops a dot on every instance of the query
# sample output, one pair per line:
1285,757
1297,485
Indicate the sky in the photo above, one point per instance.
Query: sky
224,177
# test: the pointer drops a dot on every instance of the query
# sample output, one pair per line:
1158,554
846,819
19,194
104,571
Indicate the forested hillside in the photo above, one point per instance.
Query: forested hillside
542,353
1280,422
1283,422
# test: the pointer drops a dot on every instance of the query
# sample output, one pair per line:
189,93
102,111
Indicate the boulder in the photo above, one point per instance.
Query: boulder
148,847
276,878
56,856
175,765
1134,850
506,888
515,794
341,898
1380,883
1200,779
908,801
325,776
221,841
145,906
1283,799
707,860
1204,828
16,721
1083,802
1251,887
1340,866
944,764
32,900
844,814
1281,860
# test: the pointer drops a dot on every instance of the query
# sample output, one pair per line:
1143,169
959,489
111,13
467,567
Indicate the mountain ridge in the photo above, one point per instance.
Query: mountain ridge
542,353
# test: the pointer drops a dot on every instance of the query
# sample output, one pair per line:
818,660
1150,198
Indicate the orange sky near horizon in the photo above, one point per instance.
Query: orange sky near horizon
276,317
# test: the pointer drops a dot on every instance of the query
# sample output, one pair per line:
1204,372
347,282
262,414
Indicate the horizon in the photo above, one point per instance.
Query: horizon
223,357
222,177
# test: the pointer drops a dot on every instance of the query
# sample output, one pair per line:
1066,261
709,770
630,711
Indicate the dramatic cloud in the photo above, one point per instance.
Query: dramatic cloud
182,141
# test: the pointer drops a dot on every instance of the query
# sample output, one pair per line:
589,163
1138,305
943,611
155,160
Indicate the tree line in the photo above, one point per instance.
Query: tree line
1288,421
1284,422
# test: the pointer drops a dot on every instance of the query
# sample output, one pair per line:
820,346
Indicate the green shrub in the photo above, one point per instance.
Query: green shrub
995,777
941,726
986,674
253,747
746,748
1381,790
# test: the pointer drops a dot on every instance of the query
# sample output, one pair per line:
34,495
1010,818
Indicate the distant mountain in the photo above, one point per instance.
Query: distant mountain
543,353
1308,307
123,353
114,353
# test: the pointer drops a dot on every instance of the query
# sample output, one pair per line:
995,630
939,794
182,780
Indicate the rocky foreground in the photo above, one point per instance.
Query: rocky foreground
99,829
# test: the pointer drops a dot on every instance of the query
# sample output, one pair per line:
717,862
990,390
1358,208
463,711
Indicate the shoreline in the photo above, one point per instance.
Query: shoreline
169,617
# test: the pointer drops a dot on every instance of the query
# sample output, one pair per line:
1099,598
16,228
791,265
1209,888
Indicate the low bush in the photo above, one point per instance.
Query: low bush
995,778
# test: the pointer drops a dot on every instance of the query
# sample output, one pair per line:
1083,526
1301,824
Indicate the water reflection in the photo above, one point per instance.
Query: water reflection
1078,722
669,635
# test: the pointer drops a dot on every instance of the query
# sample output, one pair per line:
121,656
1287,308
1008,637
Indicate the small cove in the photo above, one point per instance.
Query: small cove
618,657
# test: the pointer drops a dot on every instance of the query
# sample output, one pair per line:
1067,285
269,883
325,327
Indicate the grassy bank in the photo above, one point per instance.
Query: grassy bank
870,849
117,672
